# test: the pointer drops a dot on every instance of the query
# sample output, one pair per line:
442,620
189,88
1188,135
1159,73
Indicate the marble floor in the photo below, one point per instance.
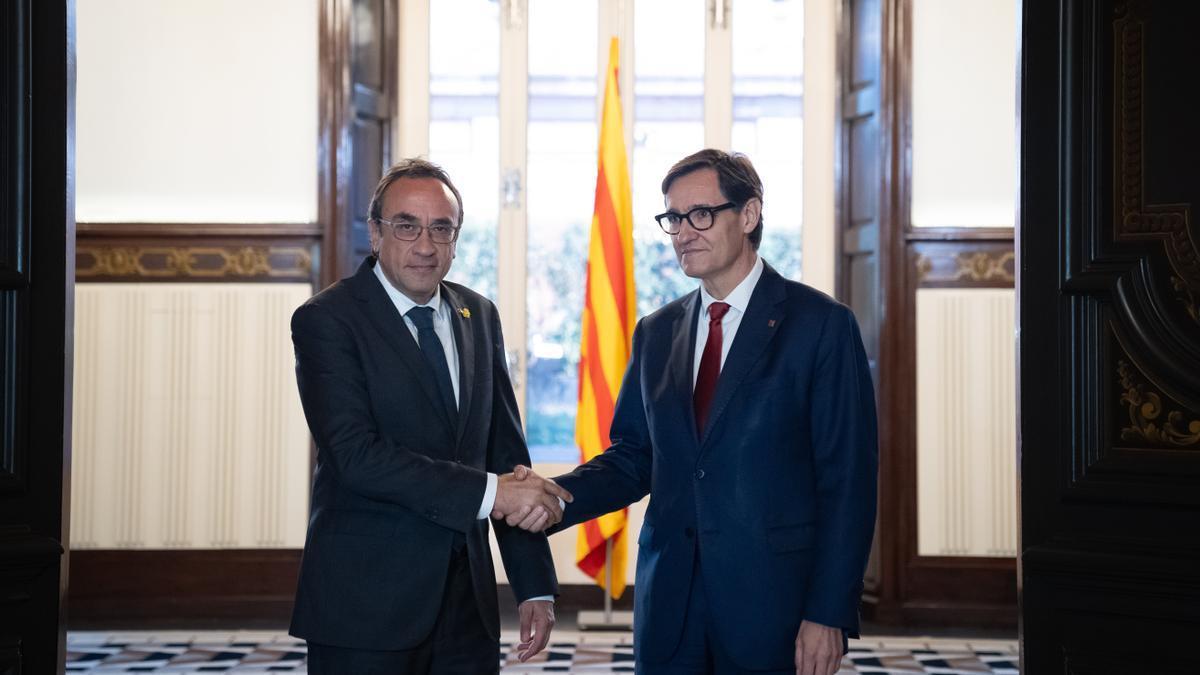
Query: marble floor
569,652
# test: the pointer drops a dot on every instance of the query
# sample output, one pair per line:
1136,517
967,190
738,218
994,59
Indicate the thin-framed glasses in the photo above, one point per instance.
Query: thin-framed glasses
439,233
700,218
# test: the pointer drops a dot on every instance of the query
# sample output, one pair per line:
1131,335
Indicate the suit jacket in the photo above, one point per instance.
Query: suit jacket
396,483
776,495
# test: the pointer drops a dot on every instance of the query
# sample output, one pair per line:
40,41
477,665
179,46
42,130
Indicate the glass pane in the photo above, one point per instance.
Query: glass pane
668,126
768,124
561,166
464,127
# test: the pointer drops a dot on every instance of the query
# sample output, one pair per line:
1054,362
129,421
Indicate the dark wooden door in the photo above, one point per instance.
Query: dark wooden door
359,62
868,234
1109,350
36,288
862,133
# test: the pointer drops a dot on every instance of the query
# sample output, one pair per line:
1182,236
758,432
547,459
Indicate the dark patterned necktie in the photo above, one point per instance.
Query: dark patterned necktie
431,347
710,366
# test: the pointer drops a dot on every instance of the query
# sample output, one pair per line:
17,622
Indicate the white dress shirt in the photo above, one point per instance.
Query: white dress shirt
738,300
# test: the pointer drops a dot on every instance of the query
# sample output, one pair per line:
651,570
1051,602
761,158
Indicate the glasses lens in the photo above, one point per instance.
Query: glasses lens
405,231
701,218
441,234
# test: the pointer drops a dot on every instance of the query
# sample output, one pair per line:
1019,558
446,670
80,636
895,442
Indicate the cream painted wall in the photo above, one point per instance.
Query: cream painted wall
966,422
964,65
188,430
196,111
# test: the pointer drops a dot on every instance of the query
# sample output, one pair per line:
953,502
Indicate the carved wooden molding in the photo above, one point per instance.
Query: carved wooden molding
965,264
1147,422
95,261
1135,219
196,251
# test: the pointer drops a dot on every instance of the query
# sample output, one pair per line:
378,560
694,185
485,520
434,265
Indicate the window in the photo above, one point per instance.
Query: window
562,144
511,104
464,124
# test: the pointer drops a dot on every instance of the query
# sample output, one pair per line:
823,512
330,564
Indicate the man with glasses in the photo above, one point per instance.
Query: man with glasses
405,388
748,415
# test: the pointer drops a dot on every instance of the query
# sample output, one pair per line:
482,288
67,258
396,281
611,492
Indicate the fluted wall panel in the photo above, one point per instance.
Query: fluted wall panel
966,422
189,431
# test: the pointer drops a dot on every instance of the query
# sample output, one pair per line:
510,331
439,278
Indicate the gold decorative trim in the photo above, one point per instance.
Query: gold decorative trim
951,265
985,266
1136,220
200,262
1145,410
924,267
1191,303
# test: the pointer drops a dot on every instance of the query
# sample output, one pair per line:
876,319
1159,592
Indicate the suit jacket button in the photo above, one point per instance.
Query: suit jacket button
689,532
699,474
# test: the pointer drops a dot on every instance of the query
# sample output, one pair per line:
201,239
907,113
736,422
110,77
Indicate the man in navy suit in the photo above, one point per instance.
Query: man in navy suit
748,414
404,385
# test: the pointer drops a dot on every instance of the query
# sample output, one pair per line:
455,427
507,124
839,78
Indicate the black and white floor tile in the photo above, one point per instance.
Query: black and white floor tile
570,652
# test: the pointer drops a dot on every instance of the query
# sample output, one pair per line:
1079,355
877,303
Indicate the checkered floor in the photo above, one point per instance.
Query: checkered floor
570,652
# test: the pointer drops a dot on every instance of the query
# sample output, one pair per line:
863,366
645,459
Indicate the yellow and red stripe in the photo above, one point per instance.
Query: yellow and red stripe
609,314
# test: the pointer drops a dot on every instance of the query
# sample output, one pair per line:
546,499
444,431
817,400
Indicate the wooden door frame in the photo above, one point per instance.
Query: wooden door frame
911,588
37,226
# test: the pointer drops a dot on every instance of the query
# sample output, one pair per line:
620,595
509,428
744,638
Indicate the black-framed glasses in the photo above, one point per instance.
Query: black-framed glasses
439,233
700,218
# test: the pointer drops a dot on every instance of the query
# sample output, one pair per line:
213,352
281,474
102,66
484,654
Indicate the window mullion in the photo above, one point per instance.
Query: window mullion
511,237
616,20
412,112
718,76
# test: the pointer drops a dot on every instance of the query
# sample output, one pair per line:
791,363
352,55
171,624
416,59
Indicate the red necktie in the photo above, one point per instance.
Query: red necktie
710,365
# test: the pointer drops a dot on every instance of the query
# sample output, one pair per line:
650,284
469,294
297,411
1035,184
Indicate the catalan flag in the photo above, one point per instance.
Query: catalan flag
609,313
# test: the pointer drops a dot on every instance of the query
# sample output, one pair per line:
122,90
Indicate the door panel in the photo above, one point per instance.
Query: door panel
36,109
358,78
1109,348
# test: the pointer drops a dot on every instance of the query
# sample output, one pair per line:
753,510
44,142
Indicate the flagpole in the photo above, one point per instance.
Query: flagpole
608,619
608,581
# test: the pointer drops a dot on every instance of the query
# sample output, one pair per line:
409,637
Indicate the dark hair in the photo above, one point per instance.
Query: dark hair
736,177
413,167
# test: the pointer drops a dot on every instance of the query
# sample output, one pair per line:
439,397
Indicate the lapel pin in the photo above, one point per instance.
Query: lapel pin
466,313
770,323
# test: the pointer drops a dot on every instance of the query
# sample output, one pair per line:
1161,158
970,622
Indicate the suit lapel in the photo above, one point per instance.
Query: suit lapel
754,333
387,320
683,348
464,340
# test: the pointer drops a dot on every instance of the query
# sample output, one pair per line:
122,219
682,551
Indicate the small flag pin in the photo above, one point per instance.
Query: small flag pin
770,323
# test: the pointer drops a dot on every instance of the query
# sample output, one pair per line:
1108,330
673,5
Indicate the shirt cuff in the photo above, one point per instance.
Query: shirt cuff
489,497
547,598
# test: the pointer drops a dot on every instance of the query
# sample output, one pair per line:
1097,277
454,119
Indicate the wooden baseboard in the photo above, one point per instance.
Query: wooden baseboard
235,588
181,589
254,588
943,614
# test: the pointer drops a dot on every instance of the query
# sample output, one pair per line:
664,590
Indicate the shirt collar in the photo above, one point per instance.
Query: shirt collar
739,297
404,303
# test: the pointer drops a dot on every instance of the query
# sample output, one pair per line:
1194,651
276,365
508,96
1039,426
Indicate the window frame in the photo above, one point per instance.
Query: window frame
614,18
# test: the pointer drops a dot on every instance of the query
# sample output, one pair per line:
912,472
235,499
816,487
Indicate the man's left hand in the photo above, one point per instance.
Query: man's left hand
818,649
537,620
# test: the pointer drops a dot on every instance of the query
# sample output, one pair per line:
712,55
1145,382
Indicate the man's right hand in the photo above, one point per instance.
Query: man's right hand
526,500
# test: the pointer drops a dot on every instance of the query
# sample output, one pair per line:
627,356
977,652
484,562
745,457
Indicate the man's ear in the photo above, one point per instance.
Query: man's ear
374,234
751,212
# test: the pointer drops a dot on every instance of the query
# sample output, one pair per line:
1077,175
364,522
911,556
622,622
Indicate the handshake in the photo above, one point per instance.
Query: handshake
528,501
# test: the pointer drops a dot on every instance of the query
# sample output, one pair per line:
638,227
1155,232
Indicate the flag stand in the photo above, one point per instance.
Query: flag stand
608,619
